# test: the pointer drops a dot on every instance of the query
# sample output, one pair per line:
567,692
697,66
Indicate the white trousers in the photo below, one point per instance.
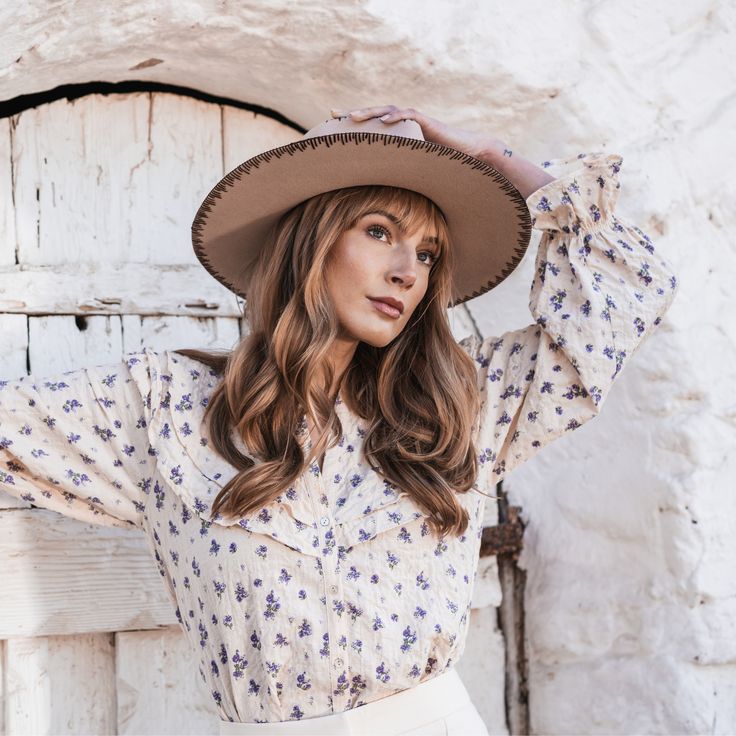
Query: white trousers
438,707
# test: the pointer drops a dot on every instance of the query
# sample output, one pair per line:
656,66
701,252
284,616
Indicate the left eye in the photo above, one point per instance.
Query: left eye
380,228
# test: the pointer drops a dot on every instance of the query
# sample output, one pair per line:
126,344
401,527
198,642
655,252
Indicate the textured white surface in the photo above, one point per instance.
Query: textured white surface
630,543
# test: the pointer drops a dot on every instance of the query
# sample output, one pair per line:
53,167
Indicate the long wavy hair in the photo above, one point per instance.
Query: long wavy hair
418,395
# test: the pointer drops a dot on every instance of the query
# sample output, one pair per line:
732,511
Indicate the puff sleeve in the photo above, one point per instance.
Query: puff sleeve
78,442
600,288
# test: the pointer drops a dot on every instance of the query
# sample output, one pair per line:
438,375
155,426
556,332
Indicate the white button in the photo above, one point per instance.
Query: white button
325,521
338,662
333,589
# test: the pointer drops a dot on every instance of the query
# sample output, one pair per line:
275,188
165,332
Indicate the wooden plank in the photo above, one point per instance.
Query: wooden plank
58,343
173,333
61,576
159,686
246,134
7,211
72,162
184,162
132,288
60,685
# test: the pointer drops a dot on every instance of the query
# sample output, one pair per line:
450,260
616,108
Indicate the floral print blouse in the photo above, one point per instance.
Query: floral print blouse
337,593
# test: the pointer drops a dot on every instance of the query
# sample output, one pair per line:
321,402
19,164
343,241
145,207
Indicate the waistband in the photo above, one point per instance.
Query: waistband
394,714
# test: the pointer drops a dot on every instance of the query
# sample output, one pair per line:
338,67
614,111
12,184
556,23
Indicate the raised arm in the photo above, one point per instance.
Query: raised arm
600,288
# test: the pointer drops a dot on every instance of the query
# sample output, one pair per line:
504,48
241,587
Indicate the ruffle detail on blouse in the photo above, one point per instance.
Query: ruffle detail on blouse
196,473
583,197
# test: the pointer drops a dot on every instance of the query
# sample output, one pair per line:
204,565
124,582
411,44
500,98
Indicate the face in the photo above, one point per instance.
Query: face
375,260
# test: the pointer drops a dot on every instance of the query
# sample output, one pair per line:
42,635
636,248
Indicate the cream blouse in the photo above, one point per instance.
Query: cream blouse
337,594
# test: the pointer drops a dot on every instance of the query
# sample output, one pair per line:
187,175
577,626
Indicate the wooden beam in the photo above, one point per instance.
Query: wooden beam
130,288
61,576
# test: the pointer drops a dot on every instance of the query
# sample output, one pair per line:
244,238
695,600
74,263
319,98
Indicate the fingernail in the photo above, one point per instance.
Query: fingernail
386,116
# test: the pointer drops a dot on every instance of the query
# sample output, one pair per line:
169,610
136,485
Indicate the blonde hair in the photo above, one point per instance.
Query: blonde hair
418,394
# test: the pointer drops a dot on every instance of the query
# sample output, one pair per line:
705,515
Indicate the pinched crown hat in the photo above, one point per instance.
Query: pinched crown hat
489,222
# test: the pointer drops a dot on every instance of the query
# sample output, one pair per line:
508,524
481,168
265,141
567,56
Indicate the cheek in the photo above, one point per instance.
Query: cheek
348,269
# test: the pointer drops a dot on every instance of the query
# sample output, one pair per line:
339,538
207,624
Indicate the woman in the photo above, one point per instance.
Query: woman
313,498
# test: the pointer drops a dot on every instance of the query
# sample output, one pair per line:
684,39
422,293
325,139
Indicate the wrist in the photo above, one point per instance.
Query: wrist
495,151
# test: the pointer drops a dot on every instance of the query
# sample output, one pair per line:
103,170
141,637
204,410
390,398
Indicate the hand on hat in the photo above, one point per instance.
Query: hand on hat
478,145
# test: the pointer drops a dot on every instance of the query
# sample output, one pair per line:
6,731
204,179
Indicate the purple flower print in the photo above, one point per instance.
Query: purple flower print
219,588
357,684
240,663
557,299
303,682
185,403
410,638
77,478
240,592
382,673
354,612
305,629
543,205
422,581
504,419
325,650
280,640
342,684
70,405
272,606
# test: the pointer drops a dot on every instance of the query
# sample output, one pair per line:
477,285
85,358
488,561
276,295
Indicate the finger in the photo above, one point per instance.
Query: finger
371,112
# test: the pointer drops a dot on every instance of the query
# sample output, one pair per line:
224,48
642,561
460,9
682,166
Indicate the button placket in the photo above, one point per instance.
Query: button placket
336,624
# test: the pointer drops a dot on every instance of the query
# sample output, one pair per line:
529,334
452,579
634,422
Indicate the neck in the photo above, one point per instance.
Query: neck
342,353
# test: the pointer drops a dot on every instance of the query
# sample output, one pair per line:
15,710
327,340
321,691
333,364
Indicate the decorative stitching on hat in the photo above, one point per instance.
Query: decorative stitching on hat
359,138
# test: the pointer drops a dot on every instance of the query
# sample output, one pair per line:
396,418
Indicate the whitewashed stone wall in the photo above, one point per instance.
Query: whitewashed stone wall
630,545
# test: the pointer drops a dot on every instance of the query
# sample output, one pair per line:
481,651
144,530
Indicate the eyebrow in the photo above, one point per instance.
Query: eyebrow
395,220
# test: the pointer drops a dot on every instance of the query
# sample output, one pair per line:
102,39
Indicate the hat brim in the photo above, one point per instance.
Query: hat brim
489,221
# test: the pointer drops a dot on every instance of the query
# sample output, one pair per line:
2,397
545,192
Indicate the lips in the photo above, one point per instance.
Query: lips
395,303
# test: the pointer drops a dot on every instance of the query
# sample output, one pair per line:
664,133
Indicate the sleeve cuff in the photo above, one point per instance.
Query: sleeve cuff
582,197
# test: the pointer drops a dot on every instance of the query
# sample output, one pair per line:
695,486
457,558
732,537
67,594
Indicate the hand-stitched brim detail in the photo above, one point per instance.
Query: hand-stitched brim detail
488,218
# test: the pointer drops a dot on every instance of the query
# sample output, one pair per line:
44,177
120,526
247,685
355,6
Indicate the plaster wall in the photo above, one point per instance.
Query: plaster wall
630,542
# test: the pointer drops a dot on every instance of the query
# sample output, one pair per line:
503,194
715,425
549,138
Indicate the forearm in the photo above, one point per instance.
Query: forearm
523,174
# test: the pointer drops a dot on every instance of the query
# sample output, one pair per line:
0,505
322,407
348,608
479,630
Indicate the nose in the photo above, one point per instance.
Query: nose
403,270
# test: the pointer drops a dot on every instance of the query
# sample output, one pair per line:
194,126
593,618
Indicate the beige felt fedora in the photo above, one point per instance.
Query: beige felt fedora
489,222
